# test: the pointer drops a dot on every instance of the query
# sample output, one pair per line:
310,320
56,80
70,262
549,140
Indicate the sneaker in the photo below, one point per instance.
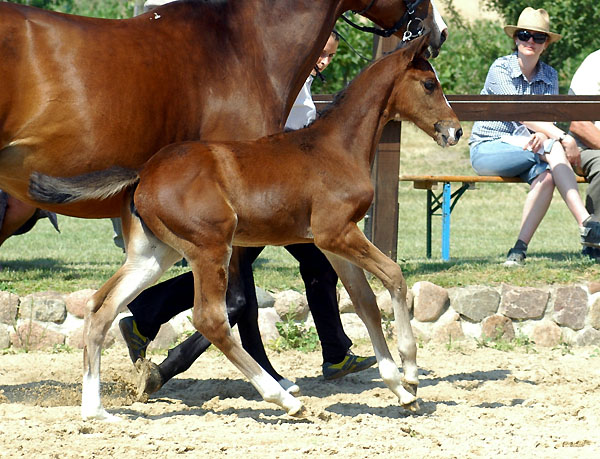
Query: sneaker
351,364
515,257
590,233
136,342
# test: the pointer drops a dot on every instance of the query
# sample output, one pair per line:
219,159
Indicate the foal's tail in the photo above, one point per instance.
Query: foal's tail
93,186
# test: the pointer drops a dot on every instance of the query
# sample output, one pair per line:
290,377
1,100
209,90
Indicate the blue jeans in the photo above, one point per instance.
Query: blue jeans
499,158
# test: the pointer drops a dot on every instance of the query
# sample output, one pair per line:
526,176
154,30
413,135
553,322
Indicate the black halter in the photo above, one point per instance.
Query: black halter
408,18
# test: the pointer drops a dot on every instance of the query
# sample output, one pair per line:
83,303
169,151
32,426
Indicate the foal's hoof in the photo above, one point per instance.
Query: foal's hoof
300,412
149,378
410,387
413,407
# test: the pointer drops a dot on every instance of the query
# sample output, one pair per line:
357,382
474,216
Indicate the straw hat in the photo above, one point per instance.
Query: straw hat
534,20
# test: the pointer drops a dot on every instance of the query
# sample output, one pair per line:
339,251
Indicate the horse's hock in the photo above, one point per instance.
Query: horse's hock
547,316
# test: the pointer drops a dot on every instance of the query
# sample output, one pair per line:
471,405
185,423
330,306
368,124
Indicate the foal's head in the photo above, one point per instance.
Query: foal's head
418,97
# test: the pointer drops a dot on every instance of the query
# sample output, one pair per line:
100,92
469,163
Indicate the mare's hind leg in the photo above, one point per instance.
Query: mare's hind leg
355,248
209,266
147,258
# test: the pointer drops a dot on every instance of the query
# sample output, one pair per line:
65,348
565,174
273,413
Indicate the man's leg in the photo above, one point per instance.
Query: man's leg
590,163
320,280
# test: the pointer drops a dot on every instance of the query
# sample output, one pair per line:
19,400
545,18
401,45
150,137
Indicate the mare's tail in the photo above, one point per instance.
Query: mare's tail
96,185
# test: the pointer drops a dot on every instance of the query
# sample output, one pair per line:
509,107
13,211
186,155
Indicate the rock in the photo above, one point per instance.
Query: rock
34,336
267,318
166,338
9,306
587,337
344,302
594,314
291,304
546,333
594,287
449,332
570,307
430,301
75,338
354,327
523,302
76,302
421,331
265,299
475,302
384,302
4,336
498,327
44,307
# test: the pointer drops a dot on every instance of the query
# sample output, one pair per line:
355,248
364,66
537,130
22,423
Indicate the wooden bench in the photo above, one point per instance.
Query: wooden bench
446,199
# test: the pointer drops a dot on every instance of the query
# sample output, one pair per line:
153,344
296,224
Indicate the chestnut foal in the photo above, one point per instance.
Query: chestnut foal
198,199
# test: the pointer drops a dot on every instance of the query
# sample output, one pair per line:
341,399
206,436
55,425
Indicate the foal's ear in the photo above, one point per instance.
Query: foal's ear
418,47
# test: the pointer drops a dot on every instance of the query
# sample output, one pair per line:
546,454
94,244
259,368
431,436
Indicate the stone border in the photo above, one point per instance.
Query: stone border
547,316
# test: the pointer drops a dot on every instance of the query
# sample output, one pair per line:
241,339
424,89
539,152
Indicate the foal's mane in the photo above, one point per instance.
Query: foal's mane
341,94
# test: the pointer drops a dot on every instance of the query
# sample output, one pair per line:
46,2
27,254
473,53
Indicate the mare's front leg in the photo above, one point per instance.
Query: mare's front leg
147,258
352,246
210,266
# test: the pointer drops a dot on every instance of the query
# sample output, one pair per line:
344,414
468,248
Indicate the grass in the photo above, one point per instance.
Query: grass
484,226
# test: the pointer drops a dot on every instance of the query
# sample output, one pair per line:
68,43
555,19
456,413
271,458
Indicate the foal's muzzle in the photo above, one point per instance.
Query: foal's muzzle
448,133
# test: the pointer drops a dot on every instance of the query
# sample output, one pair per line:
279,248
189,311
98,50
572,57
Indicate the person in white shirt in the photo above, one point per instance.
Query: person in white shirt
586,81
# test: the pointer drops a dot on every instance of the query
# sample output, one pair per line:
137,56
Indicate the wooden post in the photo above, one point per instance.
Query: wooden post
381,224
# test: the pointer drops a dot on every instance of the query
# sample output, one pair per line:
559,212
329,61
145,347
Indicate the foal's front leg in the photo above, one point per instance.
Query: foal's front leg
210,267
354,247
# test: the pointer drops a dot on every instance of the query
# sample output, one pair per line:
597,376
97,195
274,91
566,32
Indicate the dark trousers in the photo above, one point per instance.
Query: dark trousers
158,304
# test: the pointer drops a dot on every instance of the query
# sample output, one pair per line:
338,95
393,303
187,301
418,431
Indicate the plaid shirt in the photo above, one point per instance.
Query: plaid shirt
505,78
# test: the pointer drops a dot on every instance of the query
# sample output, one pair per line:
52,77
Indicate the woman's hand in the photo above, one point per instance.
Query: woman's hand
573,153
536,142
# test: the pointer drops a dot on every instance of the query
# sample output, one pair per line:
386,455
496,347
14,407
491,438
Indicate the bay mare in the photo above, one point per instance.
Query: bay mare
84,94
311,185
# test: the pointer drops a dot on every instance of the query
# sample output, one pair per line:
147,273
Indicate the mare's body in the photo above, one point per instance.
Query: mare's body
200,198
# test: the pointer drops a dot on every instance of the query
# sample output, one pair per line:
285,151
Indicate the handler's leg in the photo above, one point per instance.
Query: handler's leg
320,280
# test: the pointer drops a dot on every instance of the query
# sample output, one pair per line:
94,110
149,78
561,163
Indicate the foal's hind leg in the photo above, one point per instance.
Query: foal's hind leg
147,258
209,266
355,247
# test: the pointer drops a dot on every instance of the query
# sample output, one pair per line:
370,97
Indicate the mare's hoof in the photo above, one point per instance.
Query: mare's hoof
149,379
101,415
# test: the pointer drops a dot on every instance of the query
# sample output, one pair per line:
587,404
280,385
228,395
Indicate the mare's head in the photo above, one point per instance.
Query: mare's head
418,97
425,18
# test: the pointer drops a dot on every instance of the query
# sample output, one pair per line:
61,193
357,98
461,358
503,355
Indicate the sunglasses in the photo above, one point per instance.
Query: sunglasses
538,37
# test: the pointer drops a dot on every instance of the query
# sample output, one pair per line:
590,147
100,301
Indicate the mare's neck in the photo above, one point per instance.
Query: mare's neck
293,34
356,121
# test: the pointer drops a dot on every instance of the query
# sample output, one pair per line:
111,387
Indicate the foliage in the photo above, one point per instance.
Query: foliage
294,335
465,58
116,9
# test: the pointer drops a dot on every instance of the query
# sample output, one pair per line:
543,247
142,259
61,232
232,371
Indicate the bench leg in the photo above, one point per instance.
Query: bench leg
429,214
447,198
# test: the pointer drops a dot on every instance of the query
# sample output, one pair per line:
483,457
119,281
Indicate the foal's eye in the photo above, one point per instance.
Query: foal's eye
429,85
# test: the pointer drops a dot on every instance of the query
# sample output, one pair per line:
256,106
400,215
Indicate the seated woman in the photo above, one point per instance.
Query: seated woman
535,151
